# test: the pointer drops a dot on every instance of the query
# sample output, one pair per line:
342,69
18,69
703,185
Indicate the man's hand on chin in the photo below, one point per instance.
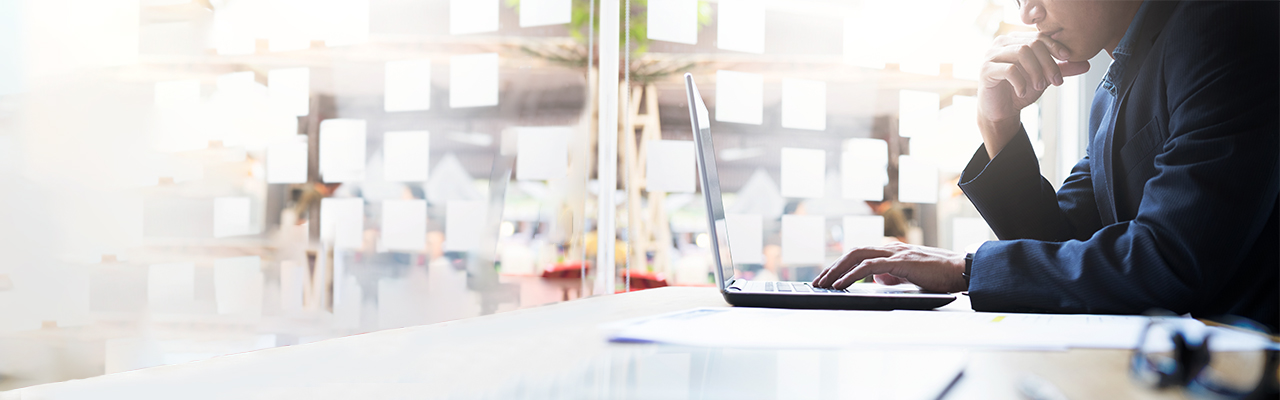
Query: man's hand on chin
931,268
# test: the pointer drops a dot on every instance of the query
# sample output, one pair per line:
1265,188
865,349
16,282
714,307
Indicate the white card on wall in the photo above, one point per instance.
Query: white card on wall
864,169
542,152
342,222
177,94
917,180
473,80
404,225
803,239
669,167
863,230
740,26
406,156
746,238
290,90
230,216
407,86
237,285
287,161
170,284
917,113
545,12
804,104
969,233
342,150
673,21
235,83
473,16
804,172
739,97
462,225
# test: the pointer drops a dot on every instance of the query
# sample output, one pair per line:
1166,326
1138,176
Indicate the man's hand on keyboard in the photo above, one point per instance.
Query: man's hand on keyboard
931,268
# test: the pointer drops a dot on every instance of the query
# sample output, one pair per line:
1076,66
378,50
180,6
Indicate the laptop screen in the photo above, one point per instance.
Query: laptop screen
706,156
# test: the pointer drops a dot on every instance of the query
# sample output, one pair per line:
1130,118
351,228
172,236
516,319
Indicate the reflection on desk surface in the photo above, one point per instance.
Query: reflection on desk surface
557,351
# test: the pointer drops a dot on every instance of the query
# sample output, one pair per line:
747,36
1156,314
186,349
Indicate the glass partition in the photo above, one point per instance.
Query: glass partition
836,125
193,178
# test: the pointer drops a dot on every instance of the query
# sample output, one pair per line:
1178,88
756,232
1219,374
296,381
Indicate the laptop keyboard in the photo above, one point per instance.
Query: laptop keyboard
798,287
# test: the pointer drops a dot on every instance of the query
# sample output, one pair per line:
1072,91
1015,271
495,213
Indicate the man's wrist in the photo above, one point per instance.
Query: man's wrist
968,270
996,134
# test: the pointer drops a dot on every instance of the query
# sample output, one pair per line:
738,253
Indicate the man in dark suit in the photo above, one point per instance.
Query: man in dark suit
1176,204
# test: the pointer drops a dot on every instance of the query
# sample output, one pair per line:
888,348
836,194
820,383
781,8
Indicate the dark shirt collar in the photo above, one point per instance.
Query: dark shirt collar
1124,50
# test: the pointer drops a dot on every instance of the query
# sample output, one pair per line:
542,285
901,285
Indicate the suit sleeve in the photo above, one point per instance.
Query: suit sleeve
1214,187
1018,203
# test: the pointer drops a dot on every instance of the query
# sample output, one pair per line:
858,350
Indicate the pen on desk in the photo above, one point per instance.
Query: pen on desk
947,389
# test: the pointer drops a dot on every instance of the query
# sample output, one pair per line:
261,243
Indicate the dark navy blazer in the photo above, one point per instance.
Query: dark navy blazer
1175,205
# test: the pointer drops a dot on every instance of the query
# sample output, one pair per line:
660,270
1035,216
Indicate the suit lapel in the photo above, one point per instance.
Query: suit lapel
1102,168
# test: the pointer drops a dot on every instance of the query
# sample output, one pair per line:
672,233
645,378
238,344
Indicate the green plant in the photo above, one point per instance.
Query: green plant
581,16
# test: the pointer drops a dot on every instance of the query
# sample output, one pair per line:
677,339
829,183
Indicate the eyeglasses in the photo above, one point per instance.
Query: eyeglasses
1210,362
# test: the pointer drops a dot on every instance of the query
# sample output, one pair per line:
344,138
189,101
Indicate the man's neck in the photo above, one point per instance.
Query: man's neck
1129,10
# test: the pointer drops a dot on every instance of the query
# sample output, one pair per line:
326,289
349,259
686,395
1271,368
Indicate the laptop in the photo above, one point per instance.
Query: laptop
740,292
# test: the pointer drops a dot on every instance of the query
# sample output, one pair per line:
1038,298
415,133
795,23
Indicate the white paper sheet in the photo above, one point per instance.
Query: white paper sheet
406,156
917,113
473,80
404,225
544,12
864,169
230,216
739,97
287,161
740,26
177,94
803,239
407,86
673,21
342,222
804,172
170,286
237,284
542,153
342,150
462,225
779,328
969,233
917,180
746,238
670,167
863,230
473,16
290,90
804,104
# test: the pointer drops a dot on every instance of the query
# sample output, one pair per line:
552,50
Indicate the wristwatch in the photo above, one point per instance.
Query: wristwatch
968,268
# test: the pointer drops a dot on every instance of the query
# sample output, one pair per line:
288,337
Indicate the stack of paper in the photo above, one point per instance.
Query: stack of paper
779,328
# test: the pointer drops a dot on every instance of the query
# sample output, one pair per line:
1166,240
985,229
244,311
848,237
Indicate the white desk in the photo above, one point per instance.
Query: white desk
556,351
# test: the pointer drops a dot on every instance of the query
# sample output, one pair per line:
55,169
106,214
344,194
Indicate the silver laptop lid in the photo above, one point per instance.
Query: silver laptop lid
706,156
